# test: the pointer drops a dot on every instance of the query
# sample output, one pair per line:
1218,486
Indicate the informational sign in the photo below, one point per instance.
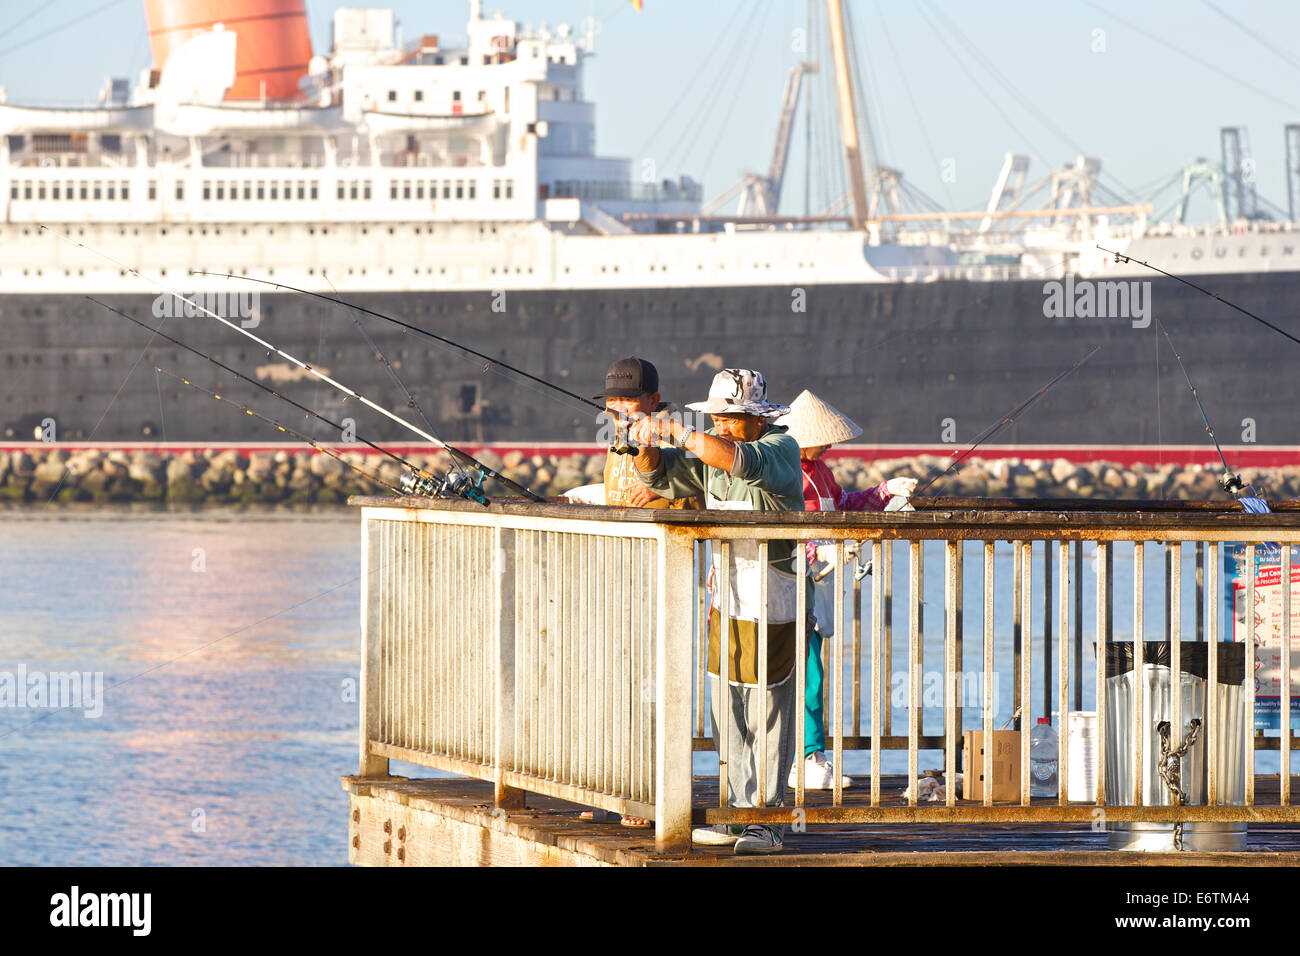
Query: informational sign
1268,625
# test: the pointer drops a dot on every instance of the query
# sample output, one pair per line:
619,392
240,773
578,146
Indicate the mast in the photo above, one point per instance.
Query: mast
847,112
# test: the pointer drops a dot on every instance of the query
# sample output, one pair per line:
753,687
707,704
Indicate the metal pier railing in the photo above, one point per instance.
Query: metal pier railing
559,649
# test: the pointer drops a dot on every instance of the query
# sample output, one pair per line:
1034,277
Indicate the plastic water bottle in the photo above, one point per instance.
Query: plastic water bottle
1042,759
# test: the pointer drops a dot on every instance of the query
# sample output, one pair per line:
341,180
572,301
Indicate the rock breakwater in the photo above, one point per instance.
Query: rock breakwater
217,476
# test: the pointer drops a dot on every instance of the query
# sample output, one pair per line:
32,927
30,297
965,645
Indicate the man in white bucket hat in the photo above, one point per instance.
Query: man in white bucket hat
816,425
744,463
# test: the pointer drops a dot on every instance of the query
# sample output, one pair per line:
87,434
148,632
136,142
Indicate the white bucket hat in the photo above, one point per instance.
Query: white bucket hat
738,391
813,423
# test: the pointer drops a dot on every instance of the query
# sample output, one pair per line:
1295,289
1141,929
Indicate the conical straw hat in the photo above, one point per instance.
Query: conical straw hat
813,423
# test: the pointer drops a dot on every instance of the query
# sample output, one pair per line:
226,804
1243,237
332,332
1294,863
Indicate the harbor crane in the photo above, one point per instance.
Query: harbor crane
761,195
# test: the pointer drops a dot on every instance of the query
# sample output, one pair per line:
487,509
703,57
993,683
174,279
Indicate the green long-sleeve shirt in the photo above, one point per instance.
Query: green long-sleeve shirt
765,476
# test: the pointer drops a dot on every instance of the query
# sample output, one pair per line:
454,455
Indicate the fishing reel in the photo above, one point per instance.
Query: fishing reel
1232,484
453,486
622,442
420,486
1245,493
462,486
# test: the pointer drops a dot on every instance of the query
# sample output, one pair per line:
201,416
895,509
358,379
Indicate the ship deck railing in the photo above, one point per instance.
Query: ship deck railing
559,650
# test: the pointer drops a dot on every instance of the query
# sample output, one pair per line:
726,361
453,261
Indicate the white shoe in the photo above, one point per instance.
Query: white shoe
720,835
818,774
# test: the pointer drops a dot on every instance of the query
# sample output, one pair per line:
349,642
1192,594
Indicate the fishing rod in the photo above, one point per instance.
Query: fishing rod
406,325
252,381
1231,483
1006,420
483,469
621,446
1228,481
286,429
420,479
410,399
1120,258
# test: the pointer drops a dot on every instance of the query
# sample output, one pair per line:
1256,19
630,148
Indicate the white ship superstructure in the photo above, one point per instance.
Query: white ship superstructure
402,168
427,166
420,179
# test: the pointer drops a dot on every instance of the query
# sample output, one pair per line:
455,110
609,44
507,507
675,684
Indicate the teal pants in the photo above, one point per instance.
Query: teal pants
814,728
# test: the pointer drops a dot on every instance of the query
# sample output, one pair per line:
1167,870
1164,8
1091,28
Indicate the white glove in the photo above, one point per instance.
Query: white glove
826,553
901,487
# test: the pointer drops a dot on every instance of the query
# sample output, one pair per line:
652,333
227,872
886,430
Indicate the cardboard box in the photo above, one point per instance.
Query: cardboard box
1006,765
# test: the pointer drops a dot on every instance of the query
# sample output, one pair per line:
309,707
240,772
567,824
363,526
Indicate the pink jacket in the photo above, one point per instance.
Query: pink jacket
818,483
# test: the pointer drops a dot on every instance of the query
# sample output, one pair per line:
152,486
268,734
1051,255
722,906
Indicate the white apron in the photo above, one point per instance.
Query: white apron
782,598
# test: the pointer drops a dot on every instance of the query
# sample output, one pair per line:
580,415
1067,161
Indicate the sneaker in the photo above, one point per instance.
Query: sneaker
759,839
818,774
720,835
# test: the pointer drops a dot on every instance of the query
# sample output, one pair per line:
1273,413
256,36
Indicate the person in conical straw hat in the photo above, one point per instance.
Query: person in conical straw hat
816,425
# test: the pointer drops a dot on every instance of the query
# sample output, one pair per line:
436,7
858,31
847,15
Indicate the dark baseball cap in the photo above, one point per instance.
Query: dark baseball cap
630,378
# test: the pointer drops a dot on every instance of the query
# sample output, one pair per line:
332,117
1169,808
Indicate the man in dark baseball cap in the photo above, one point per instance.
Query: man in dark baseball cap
631,378
631,392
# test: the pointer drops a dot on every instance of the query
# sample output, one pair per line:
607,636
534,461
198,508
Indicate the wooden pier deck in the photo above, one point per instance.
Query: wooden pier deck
441,822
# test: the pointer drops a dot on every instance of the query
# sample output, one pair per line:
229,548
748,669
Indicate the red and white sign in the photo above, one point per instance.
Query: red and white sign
1268,628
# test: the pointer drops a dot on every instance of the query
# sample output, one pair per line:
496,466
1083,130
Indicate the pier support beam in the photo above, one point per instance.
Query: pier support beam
371,765
676,579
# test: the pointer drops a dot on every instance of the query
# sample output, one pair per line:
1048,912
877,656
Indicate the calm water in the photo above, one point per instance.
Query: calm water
225,639
228,641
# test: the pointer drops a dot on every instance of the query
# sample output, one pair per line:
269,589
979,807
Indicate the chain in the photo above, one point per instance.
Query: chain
1171,767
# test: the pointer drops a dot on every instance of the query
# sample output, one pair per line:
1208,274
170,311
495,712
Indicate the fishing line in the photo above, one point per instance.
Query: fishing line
424,475
1209,429
482,468
410,399
406,325
1159,425
1006,420
1229,482
286,429
162,418
1120,258
266,388
260,341
490,364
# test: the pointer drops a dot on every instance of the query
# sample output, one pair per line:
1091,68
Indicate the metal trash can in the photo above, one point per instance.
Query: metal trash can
1231,739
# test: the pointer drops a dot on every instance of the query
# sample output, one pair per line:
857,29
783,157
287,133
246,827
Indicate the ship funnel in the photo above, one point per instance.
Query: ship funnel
273,46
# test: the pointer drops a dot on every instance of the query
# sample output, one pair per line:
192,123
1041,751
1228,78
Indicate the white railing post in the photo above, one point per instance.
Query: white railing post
503,628
673,749
372,564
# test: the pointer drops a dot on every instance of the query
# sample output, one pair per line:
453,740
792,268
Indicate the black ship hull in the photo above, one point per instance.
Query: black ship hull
915,363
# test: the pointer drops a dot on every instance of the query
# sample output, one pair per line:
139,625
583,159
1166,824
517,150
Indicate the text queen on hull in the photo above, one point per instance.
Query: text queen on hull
459,186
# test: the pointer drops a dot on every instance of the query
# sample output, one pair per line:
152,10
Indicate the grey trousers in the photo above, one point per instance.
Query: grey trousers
741,713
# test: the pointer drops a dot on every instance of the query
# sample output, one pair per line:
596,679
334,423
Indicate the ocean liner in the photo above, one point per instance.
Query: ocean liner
459,188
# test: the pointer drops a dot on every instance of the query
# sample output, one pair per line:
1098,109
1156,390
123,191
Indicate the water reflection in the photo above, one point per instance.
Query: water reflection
225,640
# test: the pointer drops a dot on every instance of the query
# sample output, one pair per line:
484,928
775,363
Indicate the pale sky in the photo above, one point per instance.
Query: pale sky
695,85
